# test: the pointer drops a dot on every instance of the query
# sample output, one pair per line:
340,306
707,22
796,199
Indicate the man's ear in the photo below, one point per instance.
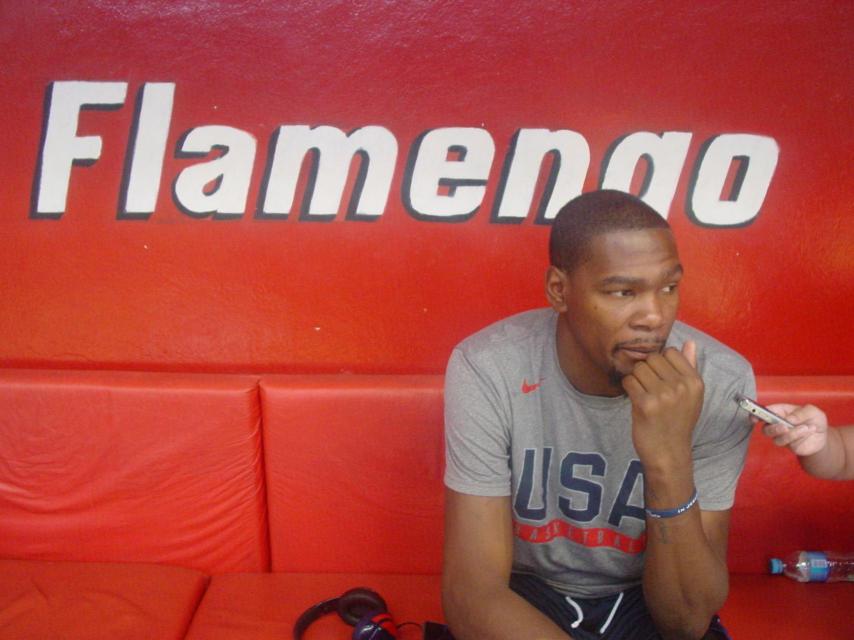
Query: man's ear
557,285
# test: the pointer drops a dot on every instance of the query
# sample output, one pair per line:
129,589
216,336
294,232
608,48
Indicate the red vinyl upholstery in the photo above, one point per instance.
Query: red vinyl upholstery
96,600
132,467
354,473
761,607
170,469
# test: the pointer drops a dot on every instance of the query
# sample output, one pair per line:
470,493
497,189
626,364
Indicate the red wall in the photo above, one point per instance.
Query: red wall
85,286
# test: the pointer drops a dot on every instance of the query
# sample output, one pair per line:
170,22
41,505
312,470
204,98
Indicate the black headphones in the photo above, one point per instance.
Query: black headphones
361,608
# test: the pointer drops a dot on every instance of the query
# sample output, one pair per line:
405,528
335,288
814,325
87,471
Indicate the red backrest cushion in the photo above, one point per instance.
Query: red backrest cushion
136,467
779,508
354,472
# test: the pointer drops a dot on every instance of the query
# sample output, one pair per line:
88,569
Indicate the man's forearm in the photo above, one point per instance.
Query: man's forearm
495,614
685,578
685,581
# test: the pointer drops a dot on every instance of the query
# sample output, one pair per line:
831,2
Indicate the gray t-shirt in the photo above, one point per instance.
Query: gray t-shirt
514,425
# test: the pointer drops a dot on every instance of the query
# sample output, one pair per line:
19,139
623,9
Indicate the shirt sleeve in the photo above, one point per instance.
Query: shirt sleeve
477,433
720,447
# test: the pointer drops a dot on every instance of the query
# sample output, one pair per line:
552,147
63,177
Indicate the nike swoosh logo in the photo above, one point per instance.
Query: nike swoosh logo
528,388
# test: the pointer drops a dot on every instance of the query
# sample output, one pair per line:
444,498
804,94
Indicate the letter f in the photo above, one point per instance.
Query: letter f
62,147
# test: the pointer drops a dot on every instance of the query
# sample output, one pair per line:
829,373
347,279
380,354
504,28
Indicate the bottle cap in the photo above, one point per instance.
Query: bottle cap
775,566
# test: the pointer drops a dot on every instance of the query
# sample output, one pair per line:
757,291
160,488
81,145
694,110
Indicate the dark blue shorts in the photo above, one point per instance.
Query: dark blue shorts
622,616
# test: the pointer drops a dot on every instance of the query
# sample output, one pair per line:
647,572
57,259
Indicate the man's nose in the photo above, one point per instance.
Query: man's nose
649,313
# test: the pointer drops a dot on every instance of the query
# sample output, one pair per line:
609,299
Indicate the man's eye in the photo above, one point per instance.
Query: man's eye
670,288
622,293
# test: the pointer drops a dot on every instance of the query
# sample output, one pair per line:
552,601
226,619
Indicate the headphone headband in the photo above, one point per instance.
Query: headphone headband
356,607
313,613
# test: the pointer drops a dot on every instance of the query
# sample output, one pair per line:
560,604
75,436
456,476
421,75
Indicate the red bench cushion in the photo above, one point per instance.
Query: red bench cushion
256,606
765,607
354,473
96,601
132,467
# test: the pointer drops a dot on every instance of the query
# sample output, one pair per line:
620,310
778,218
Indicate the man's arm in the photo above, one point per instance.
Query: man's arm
476,596
685,578
685,574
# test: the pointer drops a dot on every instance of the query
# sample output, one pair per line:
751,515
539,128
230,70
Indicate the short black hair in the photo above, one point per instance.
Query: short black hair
592,214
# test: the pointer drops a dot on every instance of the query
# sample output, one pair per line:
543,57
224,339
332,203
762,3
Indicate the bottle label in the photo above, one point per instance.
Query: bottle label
819,570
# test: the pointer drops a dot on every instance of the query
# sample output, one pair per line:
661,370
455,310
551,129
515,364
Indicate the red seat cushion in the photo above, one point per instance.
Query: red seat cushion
775,607
354,473
261,606
132,467
96,601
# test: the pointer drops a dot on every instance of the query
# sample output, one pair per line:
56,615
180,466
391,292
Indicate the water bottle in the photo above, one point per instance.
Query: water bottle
815,566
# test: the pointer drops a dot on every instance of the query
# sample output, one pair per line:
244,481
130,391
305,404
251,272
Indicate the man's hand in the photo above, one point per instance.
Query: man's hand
666,392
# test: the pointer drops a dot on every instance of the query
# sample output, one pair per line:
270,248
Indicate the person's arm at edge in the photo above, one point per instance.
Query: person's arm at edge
823,451
836,460
476,594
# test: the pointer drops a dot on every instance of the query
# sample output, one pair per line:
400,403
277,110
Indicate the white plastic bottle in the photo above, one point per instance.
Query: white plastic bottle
815,566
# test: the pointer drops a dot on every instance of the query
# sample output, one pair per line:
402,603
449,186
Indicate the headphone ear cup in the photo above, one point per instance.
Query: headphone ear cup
356,604
376,625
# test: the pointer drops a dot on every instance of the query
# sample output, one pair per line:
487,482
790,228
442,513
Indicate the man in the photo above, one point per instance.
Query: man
593,448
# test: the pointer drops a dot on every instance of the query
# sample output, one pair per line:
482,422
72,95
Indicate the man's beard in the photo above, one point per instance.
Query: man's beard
615,377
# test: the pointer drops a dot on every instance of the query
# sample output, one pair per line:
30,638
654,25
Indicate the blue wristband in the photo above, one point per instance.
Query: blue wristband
672,513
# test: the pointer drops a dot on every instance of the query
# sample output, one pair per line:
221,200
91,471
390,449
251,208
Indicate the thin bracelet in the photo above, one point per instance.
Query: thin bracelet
672,513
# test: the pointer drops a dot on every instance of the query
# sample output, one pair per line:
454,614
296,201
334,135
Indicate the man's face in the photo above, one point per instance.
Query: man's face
617,306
